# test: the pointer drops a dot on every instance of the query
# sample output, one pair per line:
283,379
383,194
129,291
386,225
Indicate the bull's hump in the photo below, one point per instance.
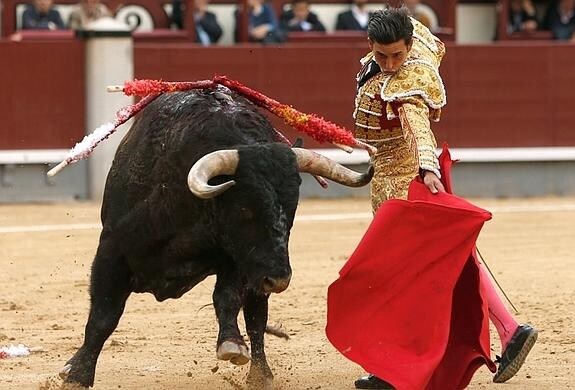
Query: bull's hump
206,100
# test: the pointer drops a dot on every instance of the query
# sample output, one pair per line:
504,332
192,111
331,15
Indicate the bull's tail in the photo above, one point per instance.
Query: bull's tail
276,330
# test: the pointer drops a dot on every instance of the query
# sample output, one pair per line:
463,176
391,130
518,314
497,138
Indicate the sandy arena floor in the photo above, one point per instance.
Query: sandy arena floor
44,269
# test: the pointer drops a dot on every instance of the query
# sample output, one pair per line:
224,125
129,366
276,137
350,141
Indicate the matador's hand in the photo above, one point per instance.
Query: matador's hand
432,182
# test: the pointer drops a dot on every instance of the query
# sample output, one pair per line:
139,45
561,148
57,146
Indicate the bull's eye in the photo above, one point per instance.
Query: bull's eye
246,213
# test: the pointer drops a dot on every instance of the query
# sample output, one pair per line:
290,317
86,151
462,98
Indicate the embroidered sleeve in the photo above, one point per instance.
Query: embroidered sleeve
414,116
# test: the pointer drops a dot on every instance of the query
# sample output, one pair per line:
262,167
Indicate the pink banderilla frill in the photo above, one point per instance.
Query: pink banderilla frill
83,148
14,351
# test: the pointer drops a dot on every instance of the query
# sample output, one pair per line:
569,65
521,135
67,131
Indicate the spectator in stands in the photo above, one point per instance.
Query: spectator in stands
263,25
354,19
208,30
300,18
414,10
560,19
41,15
522,16
85,12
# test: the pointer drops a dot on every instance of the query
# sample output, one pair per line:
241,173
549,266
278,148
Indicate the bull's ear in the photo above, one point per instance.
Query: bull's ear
220,162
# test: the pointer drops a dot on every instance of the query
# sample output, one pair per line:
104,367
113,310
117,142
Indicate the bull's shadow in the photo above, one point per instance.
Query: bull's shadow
199,186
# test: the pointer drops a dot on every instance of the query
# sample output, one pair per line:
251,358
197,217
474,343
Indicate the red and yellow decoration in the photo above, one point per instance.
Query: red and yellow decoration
314,126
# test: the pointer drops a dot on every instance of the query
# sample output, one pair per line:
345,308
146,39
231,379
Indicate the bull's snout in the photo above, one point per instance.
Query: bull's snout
275,285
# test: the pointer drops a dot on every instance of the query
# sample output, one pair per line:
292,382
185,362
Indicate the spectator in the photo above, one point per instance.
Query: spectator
208,30
263,24
354,19
85,12
522,16
41,15
300,18
414,10
560,19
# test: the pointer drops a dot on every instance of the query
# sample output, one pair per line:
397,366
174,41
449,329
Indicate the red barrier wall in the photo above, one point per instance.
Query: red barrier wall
41,94
506,95
314,79
509,95
503,95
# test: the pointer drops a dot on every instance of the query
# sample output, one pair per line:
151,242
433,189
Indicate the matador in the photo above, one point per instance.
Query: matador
393,112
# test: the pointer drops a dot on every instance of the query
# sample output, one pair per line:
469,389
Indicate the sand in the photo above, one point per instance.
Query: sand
45,256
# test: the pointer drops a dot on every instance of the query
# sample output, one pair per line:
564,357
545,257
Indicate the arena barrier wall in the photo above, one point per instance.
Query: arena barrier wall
497,106
494,99
42,115
42,98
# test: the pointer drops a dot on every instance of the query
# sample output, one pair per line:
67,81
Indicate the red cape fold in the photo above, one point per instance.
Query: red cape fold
408,305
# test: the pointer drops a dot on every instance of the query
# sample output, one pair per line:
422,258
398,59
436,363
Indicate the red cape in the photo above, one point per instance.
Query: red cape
408,305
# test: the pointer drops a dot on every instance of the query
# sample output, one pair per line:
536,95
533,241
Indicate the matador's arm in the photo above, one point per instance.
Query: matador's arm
414,116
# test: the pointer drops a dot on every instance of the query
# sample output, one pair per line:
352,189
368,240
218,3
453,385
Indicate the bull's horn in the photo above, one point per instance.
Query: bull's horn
317,164
220,162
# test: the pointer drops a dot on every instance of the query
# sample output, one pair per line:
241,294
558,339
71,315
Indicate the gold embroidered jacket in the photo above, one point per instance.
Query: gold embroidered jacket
402,104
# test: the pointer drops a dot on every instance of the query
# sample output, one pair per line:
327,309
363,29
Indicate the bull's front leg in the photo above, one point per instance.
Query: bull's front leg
256,317
227,302
109,290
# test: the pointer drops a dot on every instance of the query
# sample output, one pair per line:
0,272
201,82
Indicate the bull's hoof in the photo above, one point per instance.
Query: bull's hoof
65,371
64,374
235,352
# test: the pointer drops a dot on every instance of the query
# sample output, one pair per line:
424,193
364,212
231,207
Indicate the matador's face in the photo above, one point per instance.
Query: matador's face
390,56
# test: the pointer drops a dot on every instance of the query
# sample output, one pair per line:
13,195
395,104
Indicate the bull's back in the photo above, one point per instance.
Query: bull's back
170,135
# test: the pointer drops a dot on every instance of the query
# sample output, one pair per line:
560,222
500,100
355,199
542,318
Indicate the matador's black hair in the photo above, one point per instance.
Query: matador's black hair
389,26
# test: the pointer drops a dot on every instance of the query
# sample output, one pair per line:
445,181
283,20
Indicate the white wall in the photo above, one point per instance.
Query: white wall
225,15
109,61
476,23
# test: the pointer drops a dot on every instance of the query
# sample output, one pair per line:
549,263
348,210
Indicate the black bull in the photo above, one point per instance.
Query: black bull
232,217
